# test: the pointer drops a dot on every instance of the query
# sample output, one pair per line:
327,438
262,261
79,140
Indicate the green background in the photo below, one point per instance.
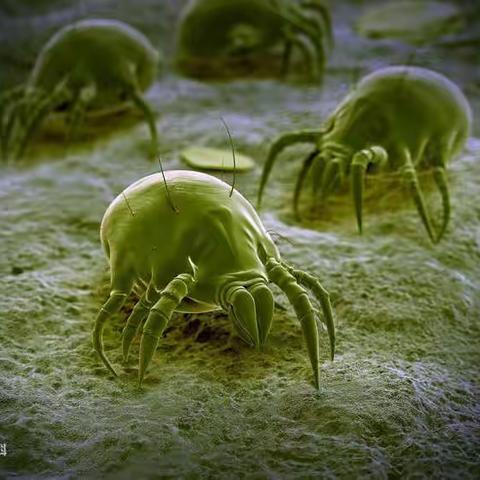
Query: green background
401,399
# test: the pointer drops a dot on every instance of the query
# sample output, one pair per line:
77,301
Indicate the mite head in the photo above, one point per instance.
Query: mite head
251,311
359,122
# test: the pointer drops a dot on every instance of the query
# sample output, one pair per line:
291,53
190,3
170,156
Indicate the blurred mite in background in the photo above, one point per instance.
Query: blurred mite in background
222,39
94,66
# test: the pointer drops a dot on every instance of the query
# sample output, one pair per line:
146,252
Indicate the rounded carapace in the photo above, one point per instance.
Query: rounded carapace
192,244
90,66
399,118
402,106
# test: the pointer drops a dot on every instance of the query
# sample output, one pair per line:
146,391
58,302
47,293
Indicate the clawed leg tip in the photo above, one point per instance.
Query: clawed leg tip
113,372
437,239
107,364
141,376
359,227
125,355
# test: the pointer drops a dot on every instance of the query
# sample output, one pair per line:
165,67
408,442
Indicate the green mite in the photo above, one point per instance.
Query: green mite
214,35
398,119
94,65
212,252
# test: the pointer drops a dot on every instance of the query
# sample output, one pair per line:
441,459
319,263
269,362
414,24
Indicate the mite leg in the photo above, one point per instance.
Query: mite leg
139,313
360,162
134,94
307,49
15,119
332,174
307,163
143,106
322,296
150,117
112,305
440,177
324,15
10,96
311,31
318,168
282,142
8,127
411,179
298,297
321,58
85,96
44,107
8,105
320,54
159,317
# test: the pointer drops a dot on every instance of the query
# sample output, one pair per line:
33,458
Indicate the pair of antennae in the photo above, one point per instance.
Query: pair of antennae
234,168
169,198
167,190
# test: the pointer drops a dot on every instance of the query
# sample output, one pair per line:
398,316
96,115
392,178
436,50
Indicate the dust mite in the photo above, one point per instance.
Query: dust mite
211,253
93,65
399,119
251,28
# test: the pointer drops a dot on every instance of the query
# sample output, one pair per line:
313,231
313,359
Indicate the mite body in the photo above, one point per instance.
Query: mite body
215,36
398,119
93,65
211,253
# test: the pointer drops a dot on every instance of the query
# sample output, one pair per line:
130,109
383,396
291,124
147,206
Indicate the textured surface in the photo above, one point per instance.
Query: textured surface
400,400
